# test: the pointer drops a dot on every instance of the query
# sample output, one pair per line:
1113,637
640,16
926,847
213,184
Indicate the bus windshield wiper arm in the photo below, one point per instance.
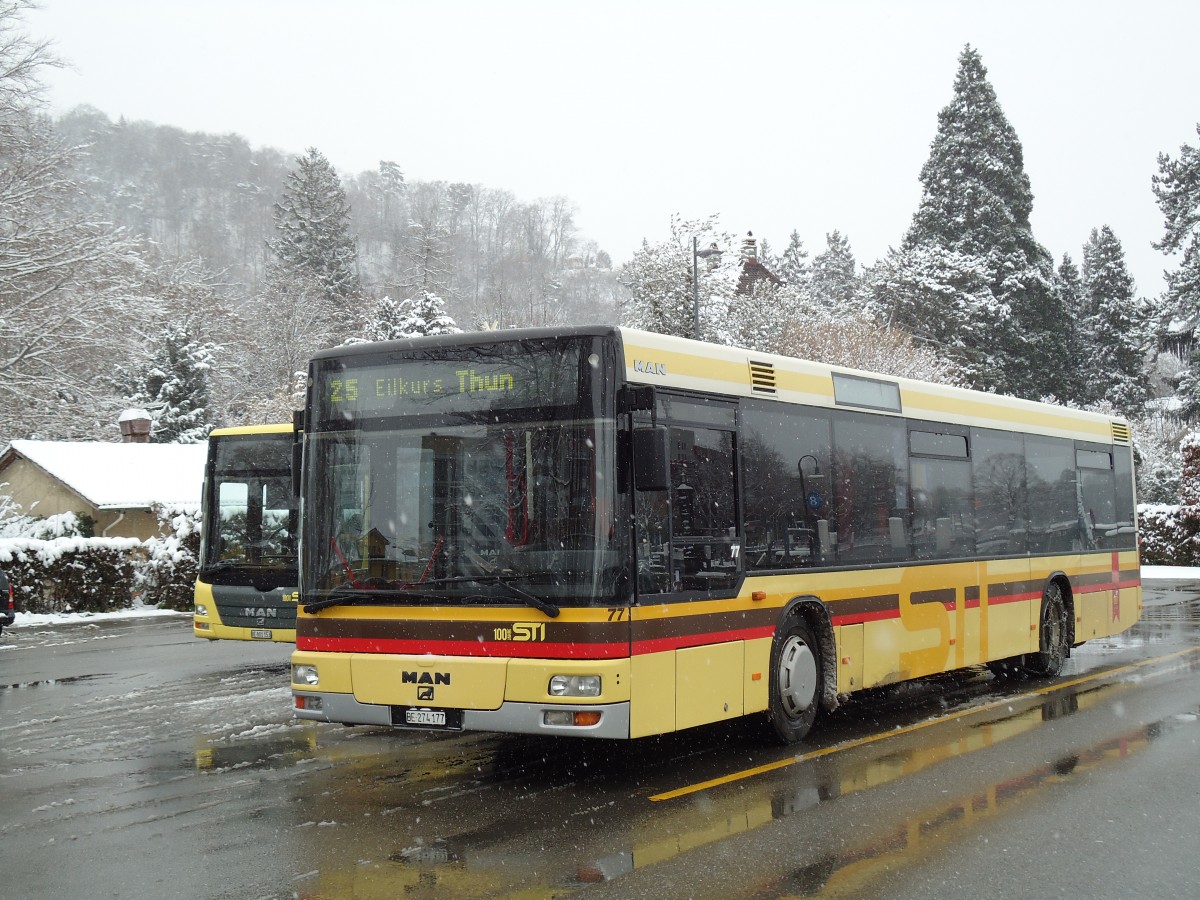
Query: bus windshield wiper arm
505,582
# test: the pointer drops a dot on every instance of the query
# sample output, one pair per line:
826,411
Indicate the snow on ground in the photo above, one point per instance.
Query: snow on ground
32,620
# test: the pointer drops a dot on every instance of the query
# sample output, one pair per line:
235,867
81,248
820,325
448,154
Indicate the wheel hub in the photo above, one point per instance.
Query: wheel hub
797,676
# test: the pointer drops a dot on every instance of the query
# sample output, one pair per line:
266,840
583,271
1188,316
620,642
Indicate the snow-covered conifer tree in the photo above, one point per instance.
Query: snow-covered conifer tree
1078,381
944,298
976,202
833,282
1177,191
312,234
421,315
174,387
1116,324
793,266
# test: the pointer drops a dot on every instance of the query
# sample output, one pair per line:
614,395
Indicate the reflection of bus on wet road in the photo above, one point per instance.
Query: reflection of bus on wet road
609,533
246,589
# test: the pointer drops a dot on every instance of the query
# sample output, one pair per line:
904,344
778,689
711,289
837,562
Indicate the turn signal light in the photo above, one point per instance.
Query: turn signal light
571,717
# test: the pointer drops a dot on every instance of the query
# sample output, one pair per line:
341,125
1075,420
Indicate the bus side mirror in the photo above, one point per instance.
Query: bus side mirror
651,458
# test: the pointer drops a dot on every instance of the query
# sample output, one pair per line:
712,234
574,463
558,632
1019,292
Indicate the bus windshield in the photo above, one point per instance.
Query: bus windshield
495,487
250,512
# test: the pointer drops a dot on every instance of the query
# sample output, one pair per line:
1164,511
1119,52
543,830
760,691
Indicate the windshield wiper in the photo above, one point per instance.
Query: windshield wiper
532,600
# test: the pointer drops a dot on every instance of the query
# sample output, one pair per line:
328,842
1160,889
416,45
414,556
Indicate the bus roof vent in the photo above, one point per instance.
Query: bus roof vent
762,377
1121,433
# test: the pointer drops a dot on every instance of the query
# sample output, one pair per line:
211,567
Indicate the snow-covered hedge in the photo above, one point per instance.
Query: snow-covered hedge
1170,534
167,575
54,568
71,573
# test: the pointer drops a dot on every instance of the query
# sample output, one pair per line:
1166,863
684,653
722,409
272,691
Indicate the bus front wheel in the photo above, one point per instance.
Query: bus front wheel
795,680
1054,637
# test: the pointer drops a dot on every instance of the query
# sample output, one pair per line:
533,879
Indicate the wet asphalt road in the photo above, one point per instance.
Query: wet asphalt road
137,761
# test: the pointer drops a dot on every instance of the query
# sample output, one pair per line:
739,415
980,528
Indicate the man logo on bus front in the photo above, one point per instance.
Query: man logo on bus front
425,693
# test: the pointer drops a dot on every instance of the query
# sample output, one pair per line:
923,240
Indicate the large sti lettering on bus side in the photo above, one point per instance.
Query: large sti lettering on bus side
925,614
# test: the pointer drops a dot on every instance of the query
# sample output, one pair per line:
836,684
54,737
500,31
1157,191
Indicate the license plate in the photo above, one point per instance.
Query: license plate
425,716
260,633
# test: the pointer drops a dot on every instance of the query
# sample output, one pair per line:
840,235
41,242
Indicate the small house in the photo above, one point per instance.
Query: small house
115,484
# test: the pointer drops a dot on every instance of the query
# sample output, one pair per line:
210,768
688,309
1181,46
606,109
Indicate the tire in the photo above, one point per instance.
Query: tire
796,680
1053,635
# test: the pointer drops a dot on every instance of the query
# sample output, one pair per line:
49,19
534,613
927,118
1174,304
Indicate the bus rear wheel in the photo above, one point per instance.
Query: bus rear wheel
795,680
1053,634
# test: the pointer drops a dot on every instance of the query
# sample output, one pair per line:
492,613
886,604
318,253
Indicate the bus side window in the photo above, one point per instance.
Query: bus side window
943,525
871,487
1054,520
790,519
1001,505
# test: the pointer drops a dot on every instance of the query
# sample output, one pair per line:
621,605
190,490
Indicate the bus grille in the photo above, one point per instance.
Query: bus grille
1121,433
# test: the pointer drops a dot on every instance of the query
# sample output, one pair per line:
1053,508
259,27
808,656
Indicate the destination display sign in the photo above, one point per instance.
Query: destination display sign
505,377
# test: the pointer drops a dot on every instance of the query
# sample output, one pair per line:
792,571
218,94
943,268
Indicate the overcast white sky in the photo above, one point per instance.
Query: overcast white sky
811,116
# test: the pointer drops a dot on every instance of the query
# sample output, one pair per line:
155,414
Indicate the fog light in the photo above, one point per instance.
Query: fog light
575,686
202,626
305,675
202,610
311,703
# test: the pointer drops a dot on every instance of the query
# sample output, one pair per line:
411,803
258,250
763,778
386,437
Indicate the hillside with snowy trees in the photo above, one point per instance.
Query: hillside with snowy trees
192,275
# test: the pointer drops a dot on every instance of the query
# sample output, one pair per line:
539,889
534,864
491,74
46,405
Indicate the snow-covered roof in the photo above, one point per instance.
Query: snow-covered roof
122,476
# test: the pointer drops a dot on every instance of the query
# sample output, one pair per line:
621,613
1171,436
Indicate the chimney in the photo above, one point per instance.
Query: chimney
135,426
749,246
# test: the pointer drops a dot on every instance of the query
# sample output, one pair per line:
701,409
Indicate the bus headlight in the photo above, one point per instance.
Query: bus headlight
575,686
305,675
202,610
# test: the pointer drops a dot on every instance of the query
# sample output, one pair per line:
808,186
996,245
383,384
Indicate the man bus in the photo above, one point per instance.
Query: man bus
246,587
610,533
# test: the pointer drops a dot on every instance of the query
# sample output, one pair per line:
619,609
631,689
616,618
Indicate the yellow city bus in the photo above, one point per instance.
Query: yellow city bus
603,532
246,586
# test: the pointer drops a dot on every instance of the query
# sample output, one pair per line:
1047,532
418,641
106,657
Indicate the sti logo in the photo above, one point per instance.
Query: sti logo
643,367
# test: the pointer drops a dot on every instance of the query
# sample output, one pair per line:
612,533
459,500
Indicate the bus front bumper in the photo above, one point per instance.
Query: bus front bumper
511,717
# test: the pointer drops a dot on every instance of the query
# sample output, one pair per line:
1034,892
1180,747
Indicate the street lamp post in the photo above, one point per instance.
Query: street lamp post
697,254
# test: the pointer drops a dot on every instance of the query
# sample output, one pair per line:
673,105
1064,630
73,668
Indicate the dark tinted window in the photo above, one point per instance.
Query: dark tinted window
1001,514
1053,506
930,443
789,517
943,524
687,536
1100,525
1123,476
870,487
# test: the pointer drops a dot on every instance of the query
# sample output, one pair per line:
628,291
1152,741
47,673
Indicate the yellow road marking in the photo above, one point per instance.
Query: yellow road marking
908,729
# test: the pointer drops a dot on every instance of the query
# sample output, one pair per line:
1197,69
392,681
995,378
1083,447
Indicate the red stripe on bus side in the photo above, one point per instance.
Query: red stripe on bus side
859,618
1014,598
529,649
514,649
658,645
